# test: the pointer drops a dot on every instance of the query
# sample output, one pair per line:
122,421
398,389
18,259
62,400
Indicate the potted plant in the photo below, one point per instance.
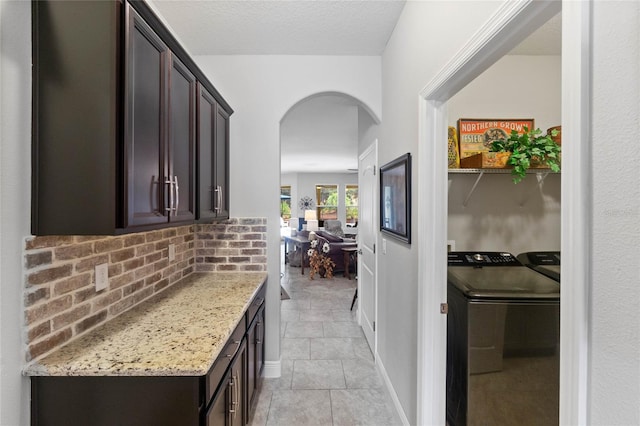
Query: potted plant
318,262
527,149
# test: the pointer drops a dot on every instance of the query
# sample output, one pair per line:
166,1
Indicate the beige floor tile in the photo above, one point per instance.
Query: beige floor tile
300,407
318,374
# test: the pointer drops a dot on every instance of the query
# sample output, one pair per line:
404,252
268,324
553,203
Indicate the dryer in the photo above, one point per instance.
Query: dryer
503,330
545,262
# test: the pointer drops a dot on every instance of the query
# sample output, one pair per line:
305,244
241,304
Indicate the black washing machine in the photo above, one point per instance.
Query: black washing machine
545,262
503,329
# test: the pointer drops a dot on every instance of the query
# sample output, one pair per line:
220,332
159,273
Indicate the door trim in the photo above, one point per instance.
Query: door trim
511,23
374,215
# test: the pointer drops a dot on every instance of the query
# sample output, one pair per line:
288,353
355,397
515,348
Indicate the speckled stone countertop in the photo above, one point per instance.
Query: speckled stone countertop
178,333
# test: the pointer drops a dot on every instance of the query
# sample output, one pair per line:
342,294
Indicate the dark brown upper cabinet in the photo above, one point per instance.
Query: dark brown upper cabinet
160,130
213,157
115,121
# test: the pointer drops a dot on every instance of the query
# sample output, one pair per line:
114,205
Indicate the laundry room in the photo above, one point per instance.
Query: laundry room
491,212
504,213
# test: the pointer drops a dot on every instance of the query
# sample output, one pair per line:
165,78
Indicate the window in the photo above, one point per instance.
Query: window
351,203
285,202
327,201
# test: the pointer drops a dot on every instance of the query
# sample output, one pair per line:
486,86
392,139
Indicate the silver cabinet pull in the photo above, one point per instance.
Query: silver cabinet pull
177,200
237,397
170,204
216,205
231,413
213,199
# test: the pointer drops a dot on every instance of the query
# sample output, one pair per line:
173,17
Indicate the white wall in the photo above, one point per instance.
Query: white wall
261,89
367,130
427,35
499,215
304,185
514,87
614,394
15,206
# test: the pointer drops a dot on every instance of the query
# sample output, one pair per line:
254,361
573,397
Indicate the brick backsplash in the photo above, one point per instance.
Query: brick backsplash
238,244
60,299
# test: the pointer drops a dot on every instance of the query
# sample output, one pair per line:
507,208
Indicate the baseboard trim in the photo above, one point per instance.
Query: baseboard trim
391,392
272,369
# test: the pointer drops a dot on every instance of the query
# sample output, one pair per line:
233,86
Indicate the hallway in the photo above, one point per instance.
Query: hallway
328,372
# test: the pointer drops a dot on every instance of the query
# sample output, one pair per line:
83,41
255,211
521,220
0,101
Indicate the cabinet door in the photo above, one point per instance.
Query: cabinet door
207,197
145,133
221,156
239,387
180,167
259,342
255,358
218,413
251,365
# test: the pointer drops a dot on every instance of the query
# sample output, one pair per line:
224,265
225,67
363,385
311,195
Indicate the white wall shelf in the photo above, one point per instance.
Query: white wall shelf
541,174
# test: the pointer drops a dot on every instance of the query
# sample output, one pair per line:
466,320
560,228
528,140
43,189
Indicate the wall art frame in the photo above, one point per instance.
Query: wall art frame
395,198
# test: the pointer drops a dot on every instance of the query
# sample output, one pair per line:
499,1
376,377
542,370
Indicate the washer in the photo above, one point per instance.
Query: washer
502,342
545,262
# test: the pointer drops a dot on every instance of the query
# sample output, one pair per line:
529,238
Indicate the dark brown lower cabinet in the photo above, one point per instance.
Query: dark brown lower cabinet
228,405
255,361
108,401
223,397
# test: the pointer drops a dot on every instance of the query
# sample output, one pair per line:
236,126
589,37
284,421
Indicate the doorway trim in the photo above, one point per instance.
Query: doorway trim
372,148
511,23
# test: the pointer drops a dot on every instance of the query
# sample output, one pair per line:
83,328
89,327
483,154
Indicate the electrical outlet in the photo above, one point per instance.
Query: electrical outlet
172,252
102,276
384,246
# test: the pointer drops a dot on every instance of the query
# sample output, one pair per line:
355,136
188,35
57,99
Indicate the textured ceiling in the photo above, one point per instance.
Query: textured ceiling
282,27
314,137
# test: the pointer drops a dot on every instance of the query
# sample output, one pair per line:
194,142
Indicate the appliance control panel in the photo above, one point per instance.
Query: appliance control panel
540,258
479,259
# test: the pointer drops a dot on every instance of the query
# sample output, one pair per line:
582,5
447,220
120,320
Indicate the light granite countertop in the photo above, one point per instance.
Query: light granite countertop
178,333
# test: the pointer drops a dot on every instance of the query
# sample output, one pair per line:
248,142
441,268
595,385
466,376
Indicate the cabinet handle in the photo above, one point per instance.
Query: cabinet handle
231,412
213,199
219,198
177,200
170,183
234,396
258,332
218,207
237,398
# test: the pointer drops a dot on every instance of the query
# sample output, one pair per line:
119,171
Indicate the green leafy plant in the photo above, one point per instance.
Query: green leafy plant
527,148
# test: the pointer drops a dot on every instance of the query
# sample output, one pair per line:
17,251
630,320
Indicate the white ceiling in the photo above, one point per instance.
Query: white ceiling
316,136
282,27
320,135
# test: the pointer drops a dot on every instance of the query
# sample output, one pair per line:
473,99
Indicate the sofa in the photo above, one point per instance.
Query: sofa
336,244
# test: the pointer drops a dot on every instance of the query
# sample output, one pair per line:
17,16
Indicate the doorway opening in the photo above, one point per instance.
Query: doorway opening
322,139
511,25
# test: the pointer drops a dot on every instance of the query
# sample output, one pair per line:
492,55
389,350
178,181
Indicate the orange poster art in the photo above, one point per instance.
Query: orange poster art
475,135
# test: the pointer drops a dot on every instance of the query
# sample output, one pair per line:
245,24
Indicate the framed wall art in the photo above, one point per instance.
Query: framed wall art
395,198
475,135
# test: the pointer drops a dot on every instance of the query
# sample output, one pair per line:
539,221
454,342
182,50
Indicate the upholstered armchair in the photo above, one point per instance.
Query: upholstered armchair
336,244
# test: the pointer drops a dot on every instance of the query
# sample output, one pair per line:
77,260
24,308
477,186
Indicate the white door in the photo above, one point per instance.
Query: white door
367,232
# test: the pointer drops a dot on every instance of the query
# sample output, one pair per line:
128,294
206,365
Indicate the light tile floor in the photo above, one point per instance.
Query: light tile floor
328,372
